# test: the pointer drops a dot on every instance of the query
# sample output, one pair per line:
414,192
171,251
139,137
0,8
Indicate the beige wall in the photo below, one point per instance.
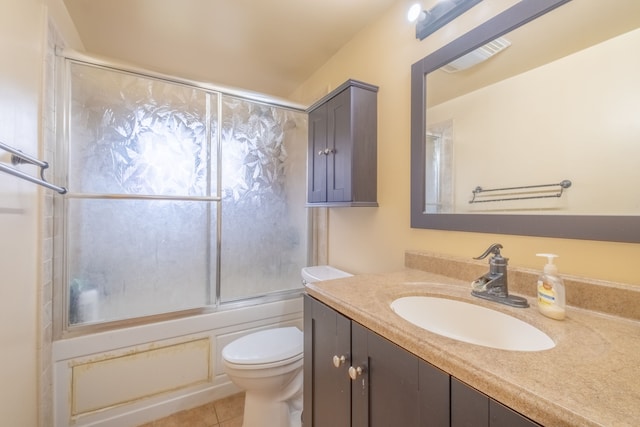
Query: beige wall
572,138
374,239
361,239
23,29
21,32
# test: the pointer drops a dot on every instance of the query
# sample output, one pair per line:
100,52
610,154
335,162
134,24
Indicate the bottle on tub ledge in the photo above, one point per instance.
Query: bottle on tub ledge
84,302
551,295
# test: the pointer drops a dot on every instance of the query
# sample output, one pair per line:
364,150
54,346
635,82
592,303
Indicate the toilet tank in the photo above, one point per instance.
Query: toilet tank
318,273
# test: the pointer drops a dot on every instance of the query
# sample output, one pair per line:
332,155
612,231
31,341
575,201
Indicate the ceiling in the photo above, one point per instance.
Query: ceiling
267,46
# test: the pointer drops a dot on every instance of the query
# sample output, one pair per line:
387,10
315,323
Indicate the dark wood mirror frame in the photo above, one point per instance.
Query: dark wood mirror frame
589,227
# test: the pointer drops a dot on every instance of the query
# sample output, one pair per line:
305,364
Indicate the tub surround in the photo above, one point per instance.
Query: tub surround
591,377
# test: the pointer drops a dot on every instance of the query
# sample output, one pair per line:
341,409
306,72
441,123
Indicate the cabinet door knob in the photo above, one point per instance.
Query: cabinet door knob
321,152
354,373
338,361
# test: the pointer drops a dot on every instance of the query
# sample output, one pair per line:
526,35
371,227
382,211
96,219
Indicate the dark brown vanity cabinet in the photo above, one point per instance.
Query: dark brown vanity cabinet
342,153
471,408
354,377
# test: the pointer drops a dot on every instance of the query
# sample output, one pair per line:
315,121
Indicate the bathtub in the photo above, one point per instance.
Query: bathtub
131,376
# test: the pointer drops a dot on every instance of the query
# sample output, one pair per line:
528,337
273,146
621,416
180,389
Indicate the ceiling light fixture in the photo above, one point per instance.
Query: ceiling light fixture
445,11
414,12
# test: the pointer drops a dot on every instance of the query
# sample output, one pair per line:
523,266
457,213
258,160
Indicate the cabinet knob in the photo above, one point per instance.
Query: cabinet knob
355,372
338,361
326,151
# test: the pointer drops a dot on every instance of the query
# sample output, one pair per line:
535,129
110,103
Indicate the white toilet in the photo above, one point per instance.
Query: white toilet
318,273
267,365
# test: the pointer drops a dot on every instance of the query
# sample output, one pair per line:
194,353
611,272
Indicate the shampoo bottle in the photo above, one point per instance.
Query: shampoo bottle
551,298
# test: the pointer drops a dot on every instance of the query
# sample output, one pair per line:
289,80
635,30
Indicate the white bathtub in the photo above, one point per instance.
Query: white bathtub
131,376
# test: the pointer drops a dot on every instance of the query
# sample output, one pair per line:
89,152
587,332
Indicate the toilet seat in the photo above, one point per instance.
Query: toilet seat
268,348
287,364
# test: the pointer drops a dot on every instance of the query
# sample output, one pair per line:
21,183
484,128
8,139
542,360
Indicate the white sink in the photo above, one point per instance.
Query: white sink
471,323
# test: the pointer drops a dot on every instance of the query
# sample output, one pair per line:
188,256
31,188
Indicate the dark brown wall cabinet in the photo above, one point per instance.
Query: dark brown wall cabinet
355,378
342,154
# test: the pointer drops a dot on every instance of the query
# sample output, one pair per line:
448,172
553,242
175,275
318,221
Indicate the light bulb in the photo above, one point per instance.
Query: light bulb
414,12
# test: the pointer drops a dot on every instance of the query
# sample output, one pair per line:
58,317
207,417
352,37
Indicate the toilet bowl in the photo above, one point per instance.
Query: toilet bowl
267,365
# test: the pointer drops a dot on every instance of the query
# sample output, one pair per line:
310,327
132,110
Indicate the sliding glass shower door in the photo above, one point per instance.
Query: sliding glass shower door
180,197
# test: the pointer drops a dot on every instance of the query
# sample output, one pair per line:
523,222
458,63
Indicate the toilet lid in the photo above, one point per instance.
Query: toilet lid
266,346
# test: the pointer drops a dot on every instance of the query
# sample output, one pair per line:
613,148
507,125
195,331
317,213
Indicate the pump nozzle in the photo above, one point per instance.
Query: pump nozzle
550,267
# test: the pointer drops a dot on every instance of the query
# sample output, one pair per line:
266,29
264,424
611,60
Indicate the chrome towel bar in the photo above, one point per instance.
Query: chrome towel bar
520,193
18,157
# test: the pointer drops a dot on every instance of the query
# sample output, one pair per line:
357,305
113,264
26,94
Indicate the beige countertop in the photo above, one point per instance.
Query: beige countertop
590,378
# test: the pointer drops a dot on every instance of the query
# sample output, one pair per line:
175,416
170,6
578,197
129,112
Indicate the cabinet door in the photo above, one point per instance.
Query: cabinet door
327,389
501,416
394,385
469,407
435,399
316,155
396,388
339,142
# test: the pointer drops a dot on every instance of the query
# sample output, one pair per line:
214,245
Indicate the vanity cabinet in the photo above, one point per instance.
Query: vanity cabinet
355,377
472,408
342,151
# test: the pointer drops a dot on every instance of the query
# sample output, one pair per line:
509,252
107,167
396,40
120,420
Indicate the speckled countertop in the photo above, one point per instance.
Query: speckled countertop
590,378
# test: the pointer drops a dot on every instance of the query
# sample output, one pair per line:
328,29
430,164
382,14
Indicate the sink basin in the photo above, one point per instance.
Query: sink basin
471,323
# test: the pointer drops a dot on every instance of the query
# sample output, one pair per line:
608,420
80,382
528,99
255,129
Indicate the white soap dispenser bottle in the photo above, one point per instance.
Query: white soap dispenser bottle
551,296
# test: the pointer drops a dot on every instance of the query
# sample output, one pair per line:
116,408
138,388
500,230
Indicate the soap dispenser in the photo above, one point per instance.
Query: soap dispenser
551,296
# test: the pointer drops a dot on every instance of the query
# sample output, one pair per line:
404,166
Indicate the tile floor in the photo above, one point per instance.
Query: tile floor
225,412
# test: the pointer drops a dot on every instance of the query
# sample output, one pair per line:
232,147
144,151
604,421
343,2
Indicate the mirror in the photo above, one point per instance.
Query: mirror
580,212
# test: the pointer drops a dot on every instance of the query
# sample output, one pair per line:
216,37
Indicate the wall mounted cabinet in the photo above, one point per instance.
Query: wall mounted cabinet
353,377
342,153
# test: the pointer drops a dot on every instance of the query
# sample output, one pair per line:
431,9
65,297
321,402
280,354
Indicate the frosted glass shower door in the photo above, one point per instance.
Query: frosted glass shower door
179,197
263,180
140,216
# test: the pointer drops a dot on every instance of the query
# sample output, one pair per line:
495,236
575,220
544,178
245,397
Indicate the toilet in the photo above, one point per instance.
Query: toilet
318,273
267,365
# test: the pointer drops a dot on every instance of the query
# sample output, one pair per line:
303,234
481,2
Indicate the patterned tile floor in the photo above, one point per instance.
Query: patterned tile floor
225,412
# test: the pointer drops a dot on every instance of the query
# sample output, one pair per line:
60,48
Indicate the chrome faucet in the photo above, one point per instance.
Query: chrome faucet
493,286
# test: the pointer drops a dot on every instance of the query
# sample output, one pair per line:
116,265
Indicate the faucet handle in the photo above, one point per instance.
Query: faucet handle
493,249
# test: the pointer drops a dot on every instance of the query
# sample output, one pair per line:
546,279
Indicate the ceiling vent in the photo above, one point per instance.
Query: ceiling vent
477,56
